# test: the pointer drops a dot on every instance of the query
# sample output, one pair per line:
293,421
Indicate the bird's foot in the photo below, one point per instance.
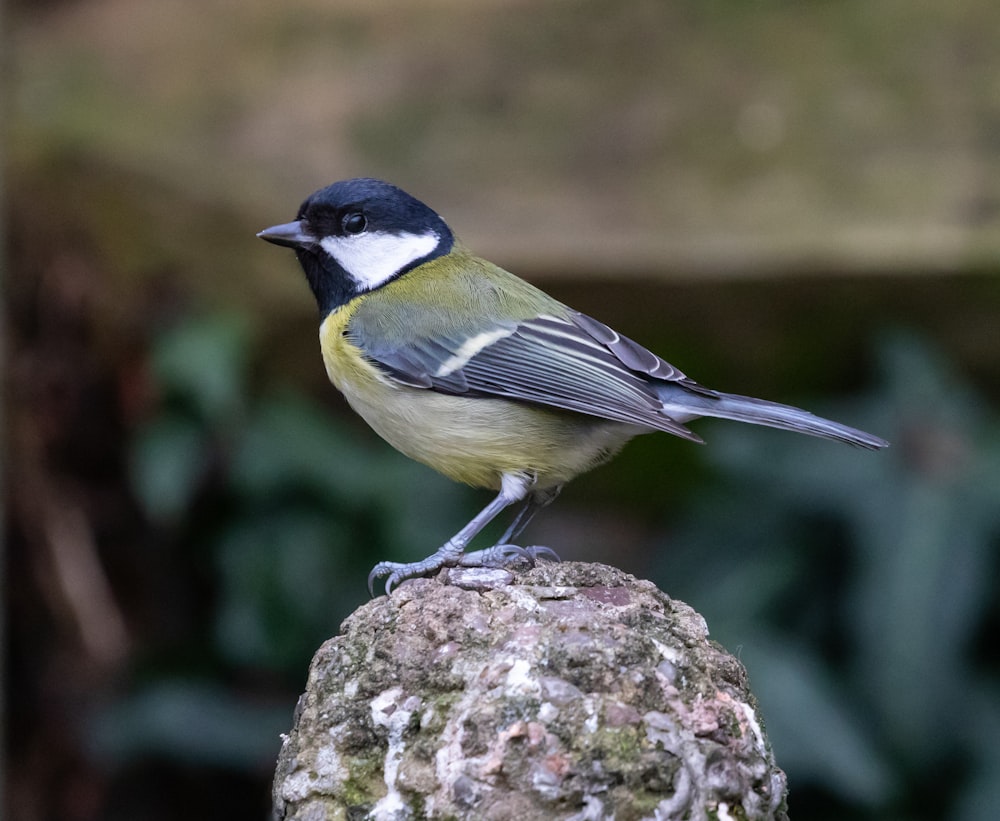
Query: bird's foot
448,555
500,555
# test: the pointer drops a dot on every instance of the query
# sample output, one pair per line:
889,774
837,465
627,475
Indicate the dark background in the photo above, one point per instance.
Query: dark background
794,200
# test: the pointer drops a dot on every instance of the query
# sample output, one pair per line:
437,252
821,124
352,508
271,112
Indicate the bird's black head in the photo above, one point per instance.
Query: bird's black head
357,235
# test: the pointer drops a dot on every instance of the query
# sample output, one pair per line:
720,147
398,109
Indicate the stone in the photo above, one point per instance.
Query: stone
575,692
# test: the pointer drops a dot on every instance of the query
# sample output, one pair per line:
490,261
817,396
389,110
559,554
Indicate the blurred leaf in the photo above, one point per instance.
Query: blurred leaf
194,722
168,457
834,748
925,548
981,796
882,671
284,587
204,363
290,443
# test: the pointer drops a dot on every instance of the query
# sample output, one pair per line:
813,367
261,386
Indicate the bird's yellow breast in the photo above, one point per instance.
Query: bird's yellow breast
471,440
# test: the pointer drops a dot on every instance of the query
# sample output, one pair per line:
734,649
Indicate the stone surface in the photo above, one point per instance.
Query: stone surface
577,692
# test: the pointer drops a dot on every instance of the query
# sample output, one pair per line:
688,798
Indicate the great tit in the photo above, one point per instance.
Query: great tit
471,370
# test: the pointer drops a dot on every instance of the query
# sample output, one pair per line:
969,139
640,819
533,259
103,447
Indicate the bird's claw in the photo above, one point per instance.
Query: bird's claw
377,572
499,555
399,572
540,551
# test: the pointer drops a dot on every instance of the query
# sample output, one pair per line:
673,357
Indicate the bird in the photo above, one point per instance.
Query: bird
477,373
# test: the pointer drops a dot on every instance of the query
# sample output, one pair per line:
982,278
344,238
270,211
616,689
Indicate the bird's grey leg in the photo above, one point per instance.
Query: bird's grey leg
537,500
504,549
513,488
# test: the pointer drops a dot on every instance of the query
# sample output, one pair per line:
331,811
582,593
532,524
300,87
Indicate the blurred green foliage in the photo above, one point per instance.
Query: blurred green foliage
291,511
858,588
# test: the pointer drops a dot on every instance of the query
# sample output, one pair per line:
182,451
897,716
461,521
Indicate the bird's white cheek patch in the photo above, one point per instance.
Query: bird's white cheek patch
375,257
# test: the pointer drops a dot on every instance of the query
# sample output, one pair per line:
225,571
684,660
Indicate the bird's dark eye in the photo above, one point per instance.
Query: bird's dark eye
354,223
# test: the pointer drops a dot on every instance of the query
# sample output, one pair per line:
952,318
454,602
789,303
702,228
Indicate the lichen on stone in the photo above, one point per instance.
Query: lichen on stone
575,692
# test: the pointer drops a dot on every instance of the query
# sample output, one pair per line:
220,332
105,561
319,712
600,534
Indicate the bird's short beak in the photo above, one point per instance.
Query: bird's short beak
292,234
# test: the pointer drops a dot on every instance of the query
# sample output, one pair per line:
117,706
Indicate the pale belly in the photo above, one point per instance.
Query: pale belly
477,440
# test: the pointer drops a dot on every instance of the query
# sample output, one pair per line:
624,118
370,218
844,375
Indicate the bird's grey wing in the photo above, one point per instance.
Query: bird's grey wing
571,362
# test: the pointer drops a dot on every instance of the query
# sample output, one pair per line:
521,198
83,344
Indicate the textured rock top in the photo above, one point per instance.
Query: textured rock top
576,692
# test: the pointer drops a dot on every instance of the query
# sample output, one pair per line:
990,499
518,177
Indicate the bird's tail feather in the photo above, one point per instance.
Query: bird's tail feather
762,412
